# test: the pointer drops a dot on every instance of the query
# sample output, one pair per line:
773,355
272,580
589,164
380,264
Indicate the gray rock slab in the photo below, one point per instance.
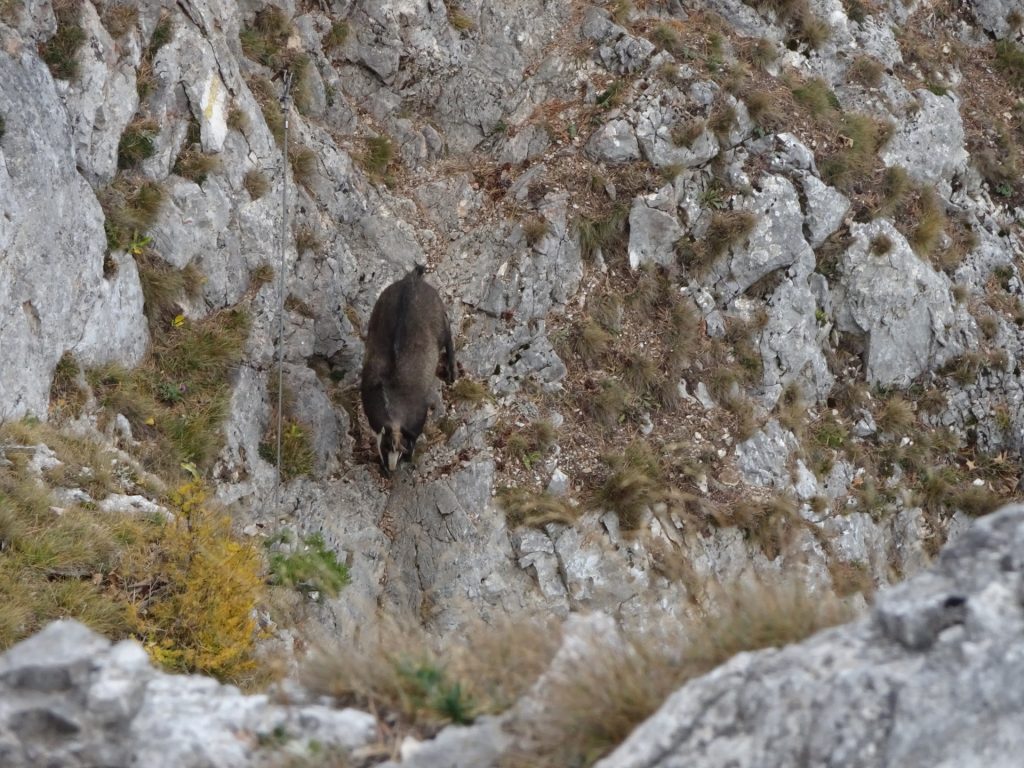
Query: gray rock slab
653,232
72,698
900,304
614,142
929,143
53,296
919,683
776,241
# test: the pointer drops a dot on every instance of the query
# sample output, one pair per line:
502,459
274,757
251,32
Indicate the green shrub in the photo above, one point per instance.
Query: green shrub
312,568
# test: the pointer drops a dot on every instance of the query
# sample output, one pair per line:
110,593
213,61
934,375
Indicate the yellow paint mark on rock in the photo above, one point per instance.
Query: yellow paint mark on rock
213,87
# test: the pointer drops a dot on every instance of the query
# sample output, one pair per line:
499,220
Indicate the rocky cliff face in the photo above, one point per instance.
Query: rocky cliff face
736,287
922,680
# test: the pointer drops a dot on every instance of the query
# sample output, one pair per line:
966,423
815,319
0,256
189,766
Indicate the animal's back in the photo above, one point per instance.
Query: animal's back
407,328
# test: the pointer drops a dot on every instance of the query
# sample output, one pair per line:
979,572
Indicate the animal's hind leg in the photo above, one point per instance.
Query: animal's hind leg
449,355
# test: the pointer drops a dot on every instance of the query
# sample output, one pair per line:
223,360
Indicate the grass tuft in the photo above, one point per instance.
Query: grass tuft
1010,61
931,223
467,390
852,165
131,205
687,132
611,684
394,668
136,143
591,343
534,509
120,19
459,19
256,183
535,229
896,416
608,405
816,96
304,165
377,157
60,52
196,165
337,35
866,71
603,234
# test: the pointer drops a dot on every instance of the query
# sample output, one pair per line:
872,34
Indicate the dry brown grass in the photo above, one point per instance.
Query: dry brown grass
616,682
397,670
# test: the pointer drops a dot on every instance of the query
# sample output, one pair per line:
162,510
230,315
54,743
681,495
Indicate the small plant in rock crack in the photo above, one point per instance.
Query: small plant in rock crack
430,689
170,393
311,567
60,52
535,229
136,143
534,509
467,390
297,454
256,183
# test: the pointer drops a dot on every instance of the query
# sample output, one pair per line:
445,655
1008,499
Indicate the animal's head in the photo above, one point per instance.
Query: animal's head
392,444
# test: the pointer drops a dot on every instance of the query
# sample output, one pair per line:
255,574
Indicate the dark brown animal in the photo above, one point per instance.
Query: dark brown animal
407,332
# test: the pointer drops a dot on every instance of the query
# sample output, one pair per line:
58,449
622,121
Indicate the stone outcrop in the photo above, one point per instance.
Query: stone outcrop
924,680
69,697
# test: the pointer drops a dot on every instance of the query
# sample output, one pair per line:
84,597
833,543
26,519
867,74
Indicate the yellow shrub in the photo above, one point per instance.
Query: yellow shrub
202,620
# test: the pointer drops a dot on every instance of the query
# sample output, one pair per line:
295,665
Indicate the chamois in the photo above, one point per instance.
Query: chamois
408,329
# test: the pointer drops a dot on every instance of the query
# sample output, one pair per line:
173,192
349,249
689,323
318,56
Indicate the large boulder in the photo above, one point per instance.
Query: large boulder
70,697
924,680
902,307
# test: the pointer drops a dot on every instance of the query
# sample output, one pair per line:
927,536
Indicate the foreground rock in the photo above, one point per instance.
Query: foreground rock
925,680
69,697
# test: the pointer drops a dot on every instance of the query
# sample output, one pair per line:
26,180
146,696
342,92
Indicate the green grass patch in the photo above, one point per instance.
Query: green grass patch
309,568
131,205
176,401
60,52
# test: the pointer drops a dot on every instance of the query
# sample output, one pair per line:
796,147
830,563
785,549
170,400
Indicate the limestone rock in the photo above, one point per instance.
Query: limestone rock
929,143
71,698
900,304
775,242
614,142
54,296
920,682
653,230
